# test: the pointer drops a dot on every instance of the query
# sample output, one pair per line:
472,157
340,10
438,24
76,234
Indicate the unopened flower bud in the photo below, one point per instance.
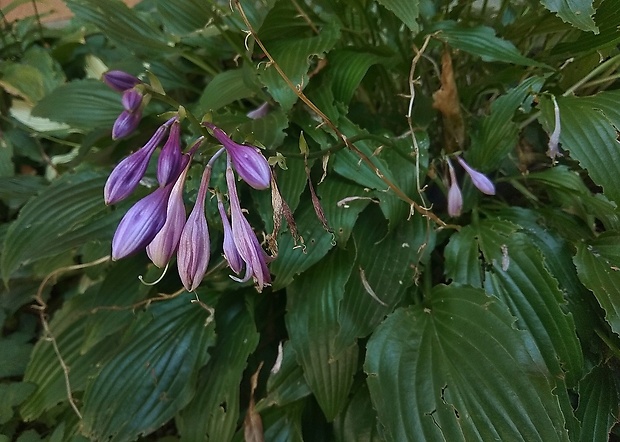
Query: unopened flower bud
249,163
230,249
141,223
128,173
455,198
120,81
170,161
125,124
165,243
260,112
194,248
132,100
480,180
246,242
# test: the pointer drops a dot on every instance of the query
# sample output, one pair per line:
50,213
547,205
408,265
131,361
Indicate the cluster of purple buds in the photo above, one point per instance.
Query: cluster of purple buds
159,222
479,180
132,101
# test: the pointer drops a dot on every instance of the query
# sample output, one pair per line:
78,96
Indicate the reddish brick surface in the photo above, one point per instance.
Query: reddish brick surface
49,10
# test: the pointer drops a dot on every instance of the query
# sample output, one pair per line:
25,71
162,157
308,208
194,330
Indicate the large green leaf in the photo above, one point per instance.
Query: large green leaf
347,68
386,265
576,12
213,413
607,19
455,369
407,11
598,266
589,131
184,16
498,134
514,271
481,41
121,24
359,420
225,88
311,321
293,54
295,259
598,404
153,374
84,104
65,215
44,369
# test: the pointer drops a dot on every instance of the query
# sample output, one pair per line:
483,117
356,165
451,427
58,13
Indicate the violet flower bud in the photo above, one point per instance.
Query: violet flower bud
165,243
120,80
480,180
455,198
141,223
132,100
554,138
249,163
194,247
126,123
259,112
128,173
230,249
246,242
170,161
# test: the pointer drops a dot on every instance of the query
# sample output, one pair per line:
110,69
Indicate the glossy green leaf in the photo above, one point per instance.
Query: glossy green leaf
65,215
407,11
481,41
83,104
515,272
12,394
576,12
359,421
122,24
598,404
386,266
295,259
311,320
293,55
286,384
15,191
347,68
44,369
598,267
225,88
214,411
184,16
607,19
153,374
455,369
589,127
498,134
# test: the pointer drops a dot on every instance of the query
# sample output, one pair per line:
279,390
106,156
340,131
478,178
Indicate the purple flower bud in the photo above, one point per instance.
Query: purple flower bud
230,249
141,223
259,112
194,247
480,180
125,124
455,198
120,81
170,161
132,99
248,247
249,163
128,173
554,138
165,243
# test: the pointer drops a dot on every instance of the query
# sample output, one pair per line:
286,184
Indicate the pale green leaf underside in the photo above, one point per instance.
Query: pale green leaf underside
407,11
